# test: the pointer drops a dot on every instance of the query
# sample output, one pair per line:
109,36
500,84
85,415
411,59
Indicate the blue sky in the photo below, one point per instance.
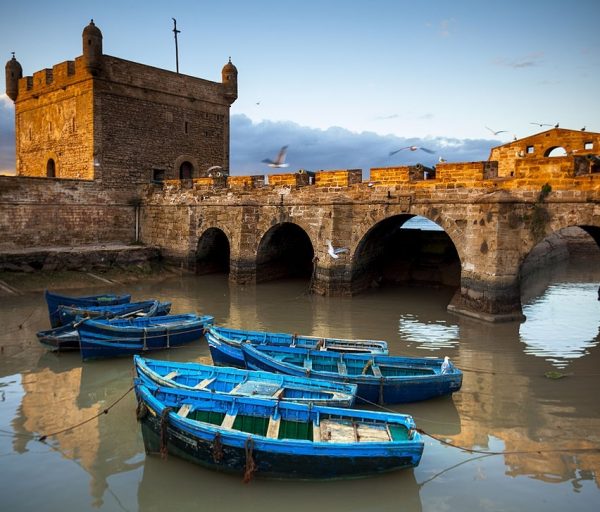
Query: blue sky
344,83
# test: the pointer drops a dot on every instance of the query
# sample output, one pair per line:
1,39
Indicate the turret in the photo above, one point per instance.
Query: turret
229,79
92,48
13,71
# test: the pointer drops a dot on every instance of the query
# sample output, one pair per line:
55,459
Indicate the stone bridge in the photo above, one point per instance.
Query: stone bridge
492,213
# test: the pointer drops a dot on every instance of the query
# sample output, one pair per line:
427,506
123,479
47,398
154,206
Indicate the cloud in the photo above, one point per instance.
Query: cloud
527,61
309,148
7,135
337,148
446,27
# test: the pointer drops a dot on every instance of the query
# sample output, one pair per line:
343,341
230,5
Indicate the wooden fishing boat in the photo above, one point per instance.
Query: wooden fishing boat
266,438
70,314
237,382
381,379
225,343
126,336
60,339
53,300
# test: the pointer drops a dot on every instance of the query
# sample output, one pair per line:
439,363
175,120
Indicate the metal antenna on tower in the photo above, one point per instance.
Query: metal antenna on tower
175,31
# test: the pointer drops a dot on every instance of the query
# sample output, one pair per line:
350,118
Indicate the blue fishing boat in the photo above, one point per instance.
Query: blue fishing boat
53,300
70,314
126,336
234,381
266,438
381,379
225,343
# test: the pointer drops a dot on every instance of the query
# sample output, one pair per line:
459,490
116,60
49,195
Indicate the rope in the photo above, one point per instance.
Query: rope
488,452
217,451
250,465
104,411
164,423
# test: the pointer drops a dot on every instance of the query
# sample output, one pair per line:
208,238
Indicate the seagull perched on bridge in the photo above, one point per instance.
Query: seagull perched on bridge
496,132
279,161
334,252
412,148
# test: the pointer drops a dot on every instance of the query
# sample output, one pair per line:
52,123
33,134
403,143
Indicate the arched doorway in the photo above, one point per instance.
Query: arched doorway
186,171
420,254
212,253
284,251
50,168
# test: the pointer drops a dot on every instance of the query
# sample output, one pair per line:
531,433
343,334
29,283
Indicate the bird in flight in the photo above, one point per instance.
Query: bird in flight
335,252
545,124
442,160
412,148
496,132
279,161
213,168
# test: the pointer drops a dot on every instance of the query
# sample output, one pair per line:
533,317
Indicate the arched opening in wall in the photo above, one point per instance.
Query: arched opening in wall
285,251
50,168
559,282
186,171
555,151
212,253
405,250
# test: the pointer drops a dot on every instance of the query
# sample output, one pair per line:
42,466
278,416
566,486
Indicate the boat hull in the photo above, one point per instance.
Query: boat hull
251,455
422,381
195,377
119,337
54,300
225,344
70,314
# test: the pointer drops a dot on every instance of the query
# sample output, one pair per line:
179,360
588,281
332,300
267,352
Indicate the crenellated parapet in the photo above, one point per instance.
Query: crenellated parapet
53,79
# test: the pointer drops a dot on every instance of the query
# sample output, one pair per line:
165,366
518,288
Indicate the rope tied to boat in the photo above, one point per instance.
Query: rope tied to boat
250,467
42,438
141,411
164,424
217,448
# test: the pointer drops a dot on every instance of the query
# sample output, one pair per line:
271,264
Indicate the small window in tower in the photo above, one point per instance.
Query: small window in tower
530,149
158,175
73,125
50,168
185,127
588,146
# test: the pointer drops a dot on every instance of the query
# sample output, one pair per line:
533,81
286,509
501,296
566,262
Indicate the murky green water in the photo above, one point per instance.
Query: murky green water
548,430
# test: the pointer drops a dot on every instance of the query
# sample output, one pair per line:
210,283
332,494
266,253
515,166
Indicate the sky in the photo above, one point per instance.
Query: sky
341,83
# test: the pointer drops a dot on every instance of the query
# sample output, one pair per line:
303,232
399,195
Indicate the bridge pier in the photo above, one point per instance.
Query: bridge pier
492,301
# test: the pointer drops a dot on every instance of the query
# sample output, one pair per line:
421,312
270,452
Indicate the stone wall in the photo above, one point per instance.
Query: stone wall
53,116
38,212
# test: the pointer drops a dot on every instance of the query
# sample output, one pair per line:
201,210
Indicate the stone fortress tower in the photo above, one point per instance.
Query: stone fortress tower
104,118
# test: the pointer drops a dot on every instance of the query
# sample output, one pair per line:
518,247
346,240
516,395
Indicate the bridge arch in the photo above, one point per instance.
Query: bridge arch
212,252
284,251
390,254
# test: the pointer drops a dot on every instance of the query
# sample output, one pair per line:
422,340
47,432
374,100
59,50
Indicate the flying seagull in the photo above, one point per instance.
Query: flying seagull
213,168
279,161
544,124
412,148
496,132
334,252
442,160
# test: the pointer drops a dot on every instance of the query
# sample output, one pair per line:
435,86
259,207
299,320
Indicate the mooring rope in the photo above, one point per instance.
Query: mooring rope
250,467
489,452
104,411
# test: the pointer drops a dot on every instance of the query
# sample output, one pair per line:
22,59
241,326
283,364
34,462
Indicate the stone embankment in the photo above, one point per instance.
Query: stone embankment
36,269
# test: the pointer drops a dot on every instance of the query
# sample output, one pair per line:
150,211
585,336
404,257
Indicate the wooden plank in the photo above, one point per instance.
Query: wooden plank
171,375
228,421
376,370
308,364
278,393
342,370
204,383
273,429
184,410
316,433
337,431
372,433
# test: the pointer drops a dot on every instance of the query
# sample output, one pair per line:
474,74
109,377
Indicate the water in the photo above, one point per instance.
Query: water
507,404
